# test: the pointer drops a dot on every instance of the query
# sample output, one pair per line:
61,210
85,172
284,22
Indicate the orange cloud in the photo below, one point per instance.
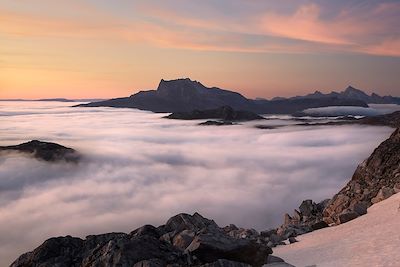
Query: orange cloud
303,31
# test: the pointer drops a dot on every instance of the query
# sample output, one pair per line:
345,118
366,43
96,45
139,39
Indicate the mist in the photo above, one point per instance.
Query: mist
138,168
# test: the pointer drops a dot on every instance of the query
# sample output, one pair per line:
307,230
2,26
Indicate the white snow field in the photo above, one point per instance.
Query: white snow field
370,240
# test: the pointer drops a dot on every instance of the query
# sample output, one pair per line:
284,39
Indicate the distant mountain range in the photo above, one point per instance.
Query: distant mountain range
350,93
183,95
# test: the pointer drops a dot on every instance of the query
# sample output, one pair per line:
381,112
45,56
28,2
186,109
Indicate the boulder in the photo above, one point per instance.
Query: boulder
150,263
185,221
274,259
210,247
319,225
183,239
346,216
225,263
361,208
383,193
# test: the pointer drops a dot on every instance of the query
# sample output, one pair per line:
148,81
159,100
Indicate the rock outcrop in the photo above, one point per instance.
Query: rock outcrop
45,151
225,114
185,240
377,178
185,95
307,218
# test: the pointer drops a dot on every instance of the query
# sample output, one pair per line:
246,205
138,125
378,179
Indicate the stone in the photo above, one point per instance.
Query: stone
273,259
185,221
278,264
307,207
292,240
210,247
347,216
150,263
183,239
225,263
360,208
383,194
319,225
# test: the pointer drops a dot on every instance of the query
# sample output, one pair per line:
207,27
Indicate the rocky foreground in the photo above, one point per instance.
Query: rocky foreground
185,240
46,151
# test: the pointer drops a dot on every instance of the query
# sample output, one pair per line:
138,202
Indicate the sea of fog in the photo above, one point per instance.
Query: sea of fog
139,168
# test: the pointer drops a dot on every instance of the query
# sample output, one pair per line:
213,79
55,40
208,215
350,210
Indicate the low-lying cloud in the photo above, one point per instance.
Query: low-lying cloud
139,168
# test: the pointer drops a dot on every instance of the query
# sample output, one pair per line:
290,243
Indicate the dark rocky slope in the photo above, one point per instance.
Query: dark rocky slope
377,178
45,151
185,240
183,95
374,180
224,113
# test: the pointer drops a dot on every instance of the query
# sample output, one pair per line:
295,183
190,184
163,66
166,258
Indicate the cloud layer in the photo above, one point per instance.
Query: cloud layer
140,168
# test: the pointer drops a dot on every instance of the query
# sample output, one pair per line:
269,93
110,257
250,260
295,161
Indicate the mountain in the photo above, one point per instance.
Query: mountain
351,93
183,95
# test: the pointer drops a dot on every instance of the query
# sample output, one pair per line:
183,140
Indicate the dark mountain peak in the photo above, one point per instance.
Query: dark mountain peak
317,92
352,90
184,83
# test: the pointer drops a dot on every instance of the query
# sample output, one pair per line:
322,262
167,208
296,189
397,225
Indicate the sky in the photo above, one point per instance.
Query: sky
260,48
138,168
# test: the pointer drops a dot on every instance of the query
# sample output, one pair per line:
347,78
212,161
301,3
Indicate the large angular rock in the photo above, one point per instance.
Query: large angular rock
225,263
384,193
209,247
185,221
346,216
58,251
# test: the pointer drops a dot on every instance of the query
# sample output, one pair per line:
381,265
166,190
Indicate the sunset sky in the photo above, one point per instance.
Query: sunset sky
102,49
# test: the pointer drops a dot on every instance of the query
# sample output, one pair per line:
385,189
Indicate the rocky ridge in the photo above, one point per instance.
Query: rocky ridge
185,240
185,95
377,178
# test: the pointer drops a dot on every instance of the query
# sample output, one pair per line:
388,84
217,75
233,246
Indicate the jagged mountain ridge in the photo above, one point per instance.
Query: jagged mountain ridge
350,93
183,95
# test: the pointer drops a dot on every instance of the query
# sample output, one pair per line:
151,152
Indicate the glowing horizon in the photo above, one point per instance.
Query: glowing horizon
100,49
